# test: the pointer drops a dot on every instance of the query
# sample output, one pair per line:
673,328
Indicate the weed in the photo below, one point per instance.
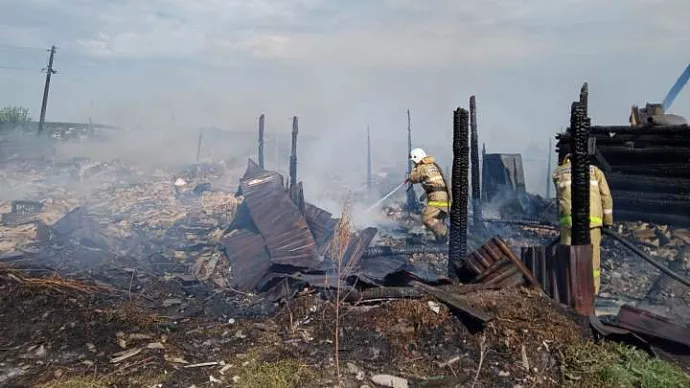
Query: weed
617,366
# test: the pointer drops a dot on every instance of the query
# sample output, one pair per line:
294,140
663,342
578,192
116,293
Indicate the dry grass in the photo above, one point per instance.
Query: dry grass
342,237
55,282
144,380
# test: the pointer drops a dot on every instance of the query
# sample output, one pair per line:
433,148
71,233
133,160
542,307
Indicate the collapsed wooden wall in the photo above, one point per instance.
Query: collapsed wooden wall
647,168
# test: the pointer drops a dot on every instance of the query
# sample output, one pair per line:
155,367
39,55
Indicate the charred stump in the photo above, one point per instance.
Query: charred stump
460,176
474,149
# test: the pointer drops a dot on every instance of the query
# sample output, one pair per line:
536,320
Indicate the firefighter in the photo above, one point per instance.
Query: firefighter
429,175
600,209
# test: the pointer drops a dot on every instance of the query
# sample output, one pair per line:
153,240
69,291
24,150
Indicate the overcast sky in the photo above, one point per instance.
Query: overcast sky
343,65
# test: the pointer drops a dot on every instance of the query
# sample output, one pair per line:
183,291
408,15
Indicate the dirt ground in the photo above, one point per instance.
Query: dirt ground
67,334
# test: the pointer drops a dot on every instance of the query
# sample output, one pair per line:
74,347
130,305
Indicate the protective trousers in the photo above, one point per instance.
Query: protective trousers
433,218
595,236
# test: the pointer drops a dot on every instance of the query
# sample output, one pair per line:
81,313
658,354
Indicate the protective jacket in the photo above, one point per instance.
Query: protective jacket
429,175
600,200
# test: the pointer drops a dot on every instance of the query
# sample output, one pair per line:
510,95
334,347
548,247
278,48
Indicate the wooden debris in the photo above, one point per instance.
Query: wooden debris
455,301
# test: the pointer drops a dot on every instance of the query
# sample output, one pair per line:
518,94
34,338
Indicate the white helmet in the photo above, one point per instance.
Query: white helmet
417,154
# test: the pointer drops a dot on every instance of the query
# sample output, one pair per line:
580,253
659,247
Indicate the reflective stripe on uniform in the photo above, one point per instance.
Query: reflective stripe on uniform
597,273
568,220
442,204
608,211
594,183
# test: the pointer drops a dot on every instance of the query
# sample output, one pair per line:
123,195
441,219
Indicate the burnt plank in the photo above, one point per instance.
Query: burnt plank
455,301
650,324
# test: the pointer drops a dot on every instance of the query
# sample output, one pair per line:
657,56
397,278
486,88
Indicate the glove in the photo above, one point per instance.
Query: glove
406,181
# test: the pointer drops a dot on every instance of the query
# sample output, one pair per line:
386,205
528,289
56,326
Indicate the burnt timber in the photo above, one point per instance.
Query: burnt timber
648,170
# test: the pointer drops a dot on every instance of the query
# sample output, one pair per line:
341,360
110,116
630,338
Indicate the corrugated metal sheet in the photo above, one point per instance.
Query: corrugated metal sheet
494,263
320,223
565,275
285,230
248,257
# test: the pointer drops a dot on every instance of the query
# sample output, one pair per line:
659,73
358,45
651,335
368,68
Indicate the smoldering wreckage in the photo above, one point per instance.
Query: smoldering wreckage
182,279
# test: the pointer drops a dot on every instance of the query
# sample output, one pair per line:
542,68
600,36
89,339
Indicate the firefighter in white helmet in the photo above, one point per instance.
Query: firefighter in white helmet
427,173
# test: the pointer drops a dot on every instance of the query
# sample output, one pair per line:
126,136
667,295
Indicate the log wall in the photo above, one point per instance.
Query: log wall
648,170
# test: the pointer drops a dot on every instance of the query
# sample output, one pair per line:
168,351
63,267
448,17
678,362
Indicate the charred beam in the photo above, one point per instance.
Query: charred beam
411,200
474,149
649,184
198,145
458,210
580,177
584,97
293,152
261,141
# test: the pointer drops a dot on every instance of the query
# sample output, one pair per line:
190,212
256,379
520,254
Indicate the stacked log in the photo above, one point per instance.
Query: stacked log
648,170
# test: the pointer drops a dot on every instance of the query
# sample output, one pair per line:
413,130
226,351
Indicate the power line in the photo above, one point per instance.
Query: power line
7,46
18,68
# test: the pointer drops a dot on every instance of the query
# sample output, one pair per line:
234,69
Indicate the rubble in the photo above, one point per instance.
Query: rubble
156,284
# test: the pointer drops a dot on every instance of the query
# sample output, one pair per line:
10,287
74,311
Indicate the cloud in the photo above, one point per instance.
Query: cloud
344,65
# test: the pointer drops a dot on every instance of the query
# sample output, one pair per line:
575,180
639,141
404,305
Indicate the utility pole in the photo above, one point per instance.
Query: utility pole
46,89
369,177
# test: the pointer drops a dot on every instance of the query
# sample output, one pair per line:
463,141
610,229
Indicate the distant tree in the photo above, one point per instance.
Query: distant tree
14,115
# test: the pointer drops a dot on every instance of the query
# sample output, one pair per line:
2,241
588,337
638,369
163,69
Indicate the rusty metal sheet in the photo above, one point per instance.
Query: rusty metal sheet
516,261
496,264
650,324
248,257
539,261
572,277
288,238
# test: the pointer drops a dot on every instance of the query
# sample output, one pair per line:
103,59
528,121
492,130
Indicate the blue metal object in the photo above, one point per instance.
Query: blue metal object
676,89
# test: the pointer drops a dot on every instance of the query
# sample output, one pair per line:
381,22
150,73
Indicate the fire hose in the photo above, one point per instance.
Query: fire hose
628,244
382,251
385,197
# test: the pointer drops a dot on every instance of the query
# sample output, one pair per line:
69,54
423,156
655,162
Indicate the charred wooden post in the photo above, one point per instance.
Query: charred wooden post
457,249
580,177
483,193
198,145
574,279
261,140
548,171
584,99
293,152
474,149
411,202
369,167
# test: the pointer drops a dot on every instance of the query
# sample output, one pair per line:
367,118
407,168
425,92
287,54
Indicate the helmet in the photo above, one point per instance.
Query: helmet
417,154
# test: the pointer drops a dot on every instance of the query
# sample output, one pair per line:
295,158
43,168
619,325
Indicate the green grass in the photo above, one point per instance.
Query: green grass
618,366
279,374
